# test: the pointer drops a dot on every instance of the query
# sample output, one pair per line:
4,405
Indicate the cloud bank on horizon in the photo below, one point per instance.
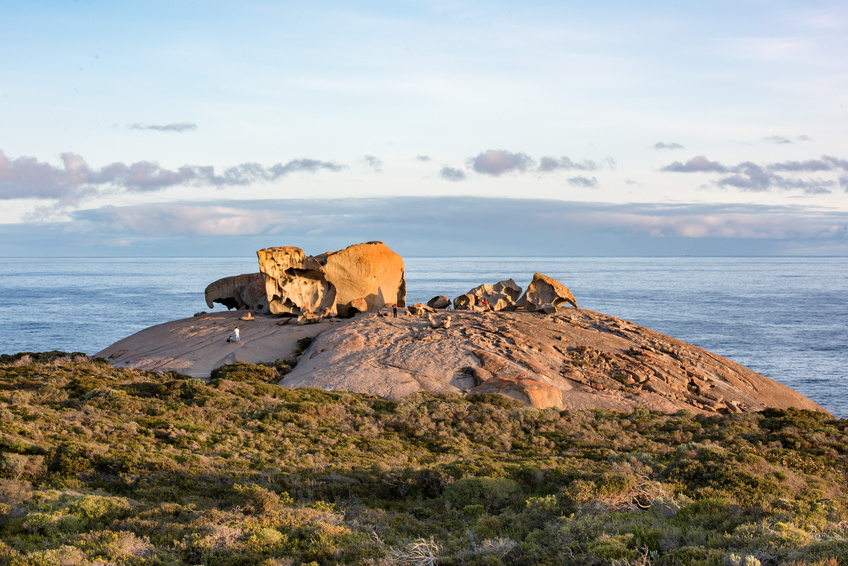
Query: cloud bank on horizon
642,130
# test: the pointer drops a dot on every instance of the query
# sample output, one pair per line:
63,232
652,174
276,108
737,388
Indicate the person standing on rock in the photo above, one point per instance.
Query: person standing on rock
394,311
236,337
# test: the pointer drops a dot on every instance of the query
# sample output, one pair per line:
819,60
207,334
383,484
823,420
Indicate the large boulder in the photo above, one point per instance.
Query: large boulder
246,291
332,283
545,294
500,296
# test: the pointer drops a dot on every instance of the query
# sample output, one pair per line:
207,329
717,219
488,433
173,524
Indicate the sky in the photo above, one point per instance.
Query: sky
211,128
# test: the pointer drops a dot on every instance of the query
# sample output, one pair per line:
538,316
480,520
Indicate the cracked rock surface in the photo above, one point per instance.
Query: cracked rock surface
596,362
585,359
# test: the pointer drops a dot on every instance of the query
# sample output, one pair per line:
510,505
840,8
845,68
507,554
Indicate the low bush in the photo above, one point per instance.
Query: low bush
106,465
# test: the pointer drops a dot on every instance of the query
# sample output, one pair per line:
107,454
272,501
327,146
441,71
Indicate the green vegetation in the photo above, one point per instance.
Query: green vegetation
100,465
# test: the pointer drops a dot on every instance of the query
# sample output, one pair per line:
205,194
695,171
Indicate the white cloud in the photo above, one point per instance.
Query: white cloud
175,127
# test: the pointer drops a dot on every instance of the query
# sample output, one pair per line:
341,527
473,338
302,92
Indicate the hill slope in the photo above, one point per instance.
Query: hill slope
587,359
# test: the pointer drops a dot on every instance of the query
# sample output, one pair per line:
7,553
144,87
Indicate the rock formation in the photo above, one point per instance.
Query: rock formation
545,294
527,391
571,359
439,302
419,309
500,296
332,283
464,302
246,291
593,361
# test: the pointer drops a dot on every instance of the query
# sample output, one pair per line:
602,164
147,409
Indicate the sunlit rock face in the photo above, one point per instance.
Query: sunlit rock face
246,291
498,297
332,283
528,391
545,294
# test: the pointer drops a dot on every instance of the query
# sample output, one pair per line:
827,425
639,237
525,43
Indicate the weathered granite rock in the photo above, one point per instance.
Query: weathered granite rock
596,361
440,302
419,309
198,345
464,302
359,305
246,291
527,391
500,296
327,284
545,294
439,322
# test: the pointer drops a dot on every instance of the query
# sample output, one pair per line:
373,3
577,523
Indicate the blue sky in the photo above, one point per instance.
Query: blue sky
462,128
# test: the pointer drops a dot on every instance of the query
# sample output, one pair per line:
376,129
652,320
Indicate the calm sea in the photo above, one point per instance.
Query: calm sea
786,318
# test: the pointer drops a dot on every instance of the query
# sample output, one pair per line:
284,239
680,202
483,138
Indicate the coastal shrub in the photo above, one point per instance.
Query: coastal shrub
491,493
106,465
244,371
256,499
303,343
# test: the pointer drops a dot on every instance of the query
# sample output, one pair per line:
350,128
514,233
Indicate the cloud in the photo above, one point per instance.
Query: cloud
662,146
778,140
26,177
179,220
549,164
548,227
496,162
176,127
697,164
583,182
783,140
374,163
824,164
836,162
452,174
750,176
424,158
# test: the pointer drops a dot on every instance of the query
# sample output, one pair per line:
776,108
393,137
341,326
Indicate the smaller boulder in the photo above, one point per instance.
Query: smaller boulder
419,309
545,294
464,302
440,302
357,306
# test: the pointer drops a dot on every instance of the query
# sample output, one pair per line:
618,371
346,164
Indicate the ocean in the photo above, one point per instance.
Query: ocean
786,318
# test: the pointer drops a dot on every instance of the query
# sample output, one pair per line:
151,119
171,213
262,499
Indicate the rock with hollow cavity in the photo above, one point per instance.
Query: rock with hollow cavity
359,305
246,291
464,302
500,296
328,284
545,294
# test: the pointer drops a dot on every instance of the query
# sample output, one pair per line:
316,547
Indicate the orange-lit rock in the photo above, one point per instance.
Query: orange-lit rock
545,294
328,284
